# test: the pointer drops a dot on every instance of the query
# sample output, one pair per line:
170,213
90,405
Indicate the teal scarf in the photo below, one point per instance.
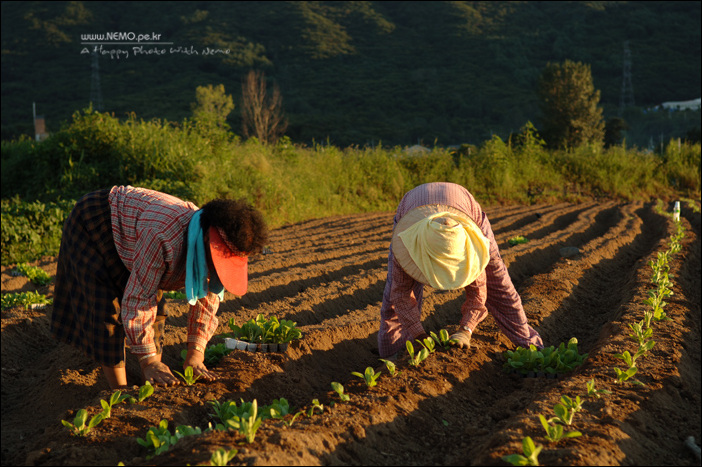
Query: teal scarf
196,272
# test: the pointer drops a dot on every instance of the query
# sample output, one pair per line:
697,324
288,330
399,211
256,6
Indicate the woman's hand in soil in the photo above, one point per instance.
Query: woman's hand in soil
158,374
199,369
195,358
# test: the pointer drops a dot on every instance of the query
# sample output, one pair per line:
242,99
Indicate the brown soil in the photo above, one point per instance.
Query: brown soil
458,408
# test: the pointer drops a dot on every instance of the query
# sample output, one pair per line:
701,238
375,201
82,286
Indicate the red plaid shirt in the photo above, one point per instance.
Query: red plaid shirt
150,231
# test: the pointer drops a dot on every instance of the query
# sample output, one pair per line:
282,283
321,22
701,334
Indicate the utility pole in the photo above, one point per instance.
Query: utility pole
626,98
95,89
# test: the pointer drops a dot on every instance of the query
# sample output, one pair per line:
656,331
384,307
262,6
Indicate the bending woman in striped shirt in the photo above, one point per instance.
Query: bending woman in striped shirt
442,238
122,246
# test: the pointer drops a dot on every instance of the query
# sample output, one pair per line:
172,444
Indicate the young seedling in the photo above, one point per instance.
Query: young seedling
591,391
428,344
188,377
159,439
175,295
288,331
517,240
250,424
554,433
26,299
115,399
78,427
369,376
639,333
215,353
222,456
392,368
36,275
145,391
415,360
442,339
278,409
315,405
531,454
631,359
227,413
292,420
339,388
625,375
566,409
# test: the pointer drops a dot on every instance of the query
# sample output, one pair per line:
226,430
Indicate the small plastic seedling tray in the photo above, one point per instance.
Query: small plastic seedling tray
237,344
536,374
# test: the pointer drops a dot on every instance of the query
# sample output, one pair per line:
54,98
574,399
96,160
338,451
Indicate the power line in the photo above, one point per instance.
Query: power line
626,98
95,89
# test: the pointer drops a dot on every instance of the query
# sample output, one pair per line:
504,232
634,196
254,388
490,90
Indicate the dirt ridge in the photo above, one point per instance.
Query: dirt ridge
457,408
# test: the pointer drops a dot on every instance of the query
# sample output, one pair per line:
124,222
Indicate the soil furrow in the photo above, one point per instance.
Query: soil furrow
458,407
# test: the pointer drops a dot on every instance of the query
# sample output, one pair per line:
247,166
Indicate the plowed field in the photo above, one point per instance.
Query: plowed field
457,408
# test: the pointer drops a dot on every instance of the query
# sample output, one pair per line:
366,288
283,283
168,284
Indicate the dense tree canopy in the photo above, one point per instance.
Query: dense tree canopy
569,102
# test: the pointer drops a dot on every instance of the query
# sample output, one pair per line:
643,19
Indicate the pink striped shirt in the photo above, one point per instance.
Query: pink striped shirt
493,291
150,231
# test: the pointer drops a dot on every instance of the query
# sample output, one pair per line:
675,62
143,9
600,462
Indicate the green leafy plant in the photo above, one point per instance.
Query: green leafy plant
159,440
531,454
655,300
315,405
31,230
629,359
290,422
188,377
442,339
25,299
549,360
36,275
519,239
213,354
626,374
415,360
339,388
278,409
250,423
175,295
79,427
269,328
369,376
266,330
251,332
115,398
554,433
640,332
392,368
226,411
428,344
288,331
566,409
591,391
222,456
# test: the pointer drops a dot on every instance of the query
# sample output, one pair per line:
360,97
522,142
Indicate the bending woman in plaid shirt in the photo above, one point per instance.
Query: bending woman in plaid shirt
122,246
442,238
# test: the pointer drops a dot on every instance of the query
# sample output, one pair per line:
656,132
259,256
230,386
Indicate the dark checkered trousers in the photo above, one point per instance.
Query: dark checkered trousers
90,282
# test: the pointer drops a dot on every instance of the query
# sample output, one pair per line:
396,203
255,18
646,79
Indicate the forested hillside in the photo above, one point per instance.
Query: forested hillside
353,73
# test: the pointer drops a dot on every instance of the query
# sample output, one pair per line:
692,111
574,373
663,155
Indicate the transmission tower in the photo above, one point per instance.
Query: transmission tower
627,96
95,89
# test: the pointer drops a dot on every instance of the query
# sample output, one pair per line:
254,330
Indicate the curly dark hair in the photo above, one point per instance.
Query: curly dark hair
242,223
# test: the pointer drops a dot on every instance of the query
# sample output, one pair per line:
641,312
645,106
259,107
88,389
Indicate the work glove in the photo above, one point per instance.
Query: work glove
460,339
